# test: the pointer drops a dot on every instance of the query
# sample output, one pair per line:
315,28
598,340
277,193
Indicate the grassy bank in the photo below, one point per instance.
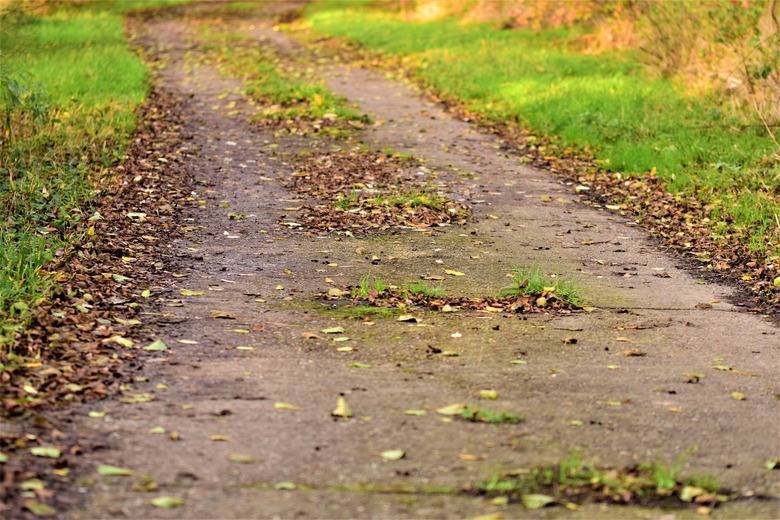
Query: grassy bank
603,106
68,93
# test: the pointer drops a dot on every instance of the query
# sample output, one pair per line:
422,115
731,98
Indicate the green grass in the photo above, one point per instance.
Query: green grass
425,289
533,282
423,197
368,286
374,287
601,105
77,84
579,481
488,416
287,92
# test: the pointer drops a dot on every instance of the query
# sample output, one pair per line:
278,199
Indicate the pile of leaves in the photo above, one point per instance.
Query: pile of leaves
79,344
371,191
398,297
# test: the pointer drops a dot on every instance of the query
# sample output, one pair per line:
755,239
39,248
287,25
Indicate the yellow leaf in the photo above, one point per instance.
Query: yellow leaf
453,409
285,406
454,273
393,454
341,410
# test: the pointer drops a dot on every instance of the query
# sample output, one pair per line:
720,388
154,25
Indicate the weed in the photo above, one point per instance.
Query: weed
578,481
347,202
369,288
425,290
532,282
488,416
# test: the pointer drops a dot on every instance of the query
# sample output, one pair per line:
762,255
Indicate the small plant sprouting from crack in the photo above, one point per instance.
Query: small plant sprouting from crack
576,481
532,282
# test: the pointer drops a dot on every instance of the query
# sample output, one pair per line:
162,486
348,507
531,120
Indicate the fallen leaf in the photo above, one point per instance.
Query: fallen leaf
355,364
188,292
114,471
157,429
341,410
393,454
158,345
632,352
46,451
96,415
167,502
415,412
739,396
470,457
34,484
336,292
454,273
453,409
242,458
488,394
137,398
492,516
221,315
536,501
125,342
187,341
285,406
39,509
333,330
219,438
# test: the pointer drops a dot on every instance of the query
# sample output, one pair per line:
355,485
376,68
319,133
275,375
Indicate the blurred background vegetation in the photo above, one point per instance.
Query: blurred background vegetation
728,47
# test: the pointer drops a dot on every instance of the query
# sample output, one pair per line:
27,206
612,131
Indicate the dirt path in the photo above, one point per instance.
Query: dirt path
230,451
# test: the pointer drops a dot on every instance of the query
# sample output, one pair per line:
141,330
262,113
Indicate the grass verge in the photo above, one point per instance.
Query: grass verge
696,174
70,86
